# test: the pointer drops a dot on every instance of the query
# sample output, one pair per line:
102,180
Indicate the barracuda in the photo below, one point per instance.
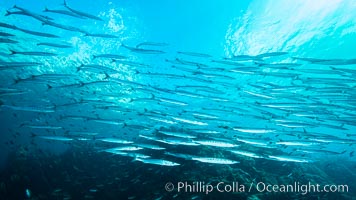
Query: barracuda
215,143
56,138
288,159
158,162
80,13
245,153
211,160
115,140
63,12
177,134
258,131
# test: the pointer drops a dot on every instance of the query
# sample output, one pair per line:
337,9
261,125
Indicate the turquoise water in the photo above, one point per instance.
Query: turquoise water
167,99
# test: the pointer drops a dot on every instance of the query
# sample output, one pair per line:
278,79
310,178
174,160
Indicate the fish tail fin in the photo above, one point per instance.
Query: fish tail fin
81,84
125,46
33,135
107,76
46,9
94,57
55,109
22,125
152,96
17,80
78,68
12,52
258,63
113,60
296,78
49,87
8,13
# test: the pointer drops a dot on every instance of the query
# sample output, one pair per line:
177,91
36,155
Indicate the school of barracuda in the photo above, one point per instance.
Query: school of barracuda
145,98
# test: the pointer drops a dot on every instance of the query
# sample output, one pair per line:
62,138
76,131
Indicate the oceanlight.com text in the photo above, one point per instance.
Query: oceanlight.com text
260,187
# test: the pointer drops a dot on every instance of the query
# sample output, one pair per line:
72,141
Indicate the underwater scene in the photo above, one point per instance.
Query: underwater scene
245,100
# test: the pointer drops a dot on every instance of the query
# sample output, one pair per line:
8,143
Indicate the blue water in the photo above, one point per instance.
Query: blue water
295,112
